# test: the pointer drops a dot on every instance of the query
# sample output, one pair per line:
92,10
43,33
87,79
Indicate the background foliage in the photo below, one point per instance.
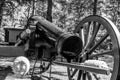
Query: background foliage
64,13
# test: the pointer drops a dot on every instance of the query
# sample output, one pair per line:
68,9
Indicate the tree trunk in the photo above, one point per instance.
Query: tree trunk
95,7
2,2
49,11
33,9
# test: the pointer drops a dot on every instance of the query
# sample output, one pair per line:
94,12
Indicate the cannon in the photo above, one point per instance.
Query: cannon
67,44
90,51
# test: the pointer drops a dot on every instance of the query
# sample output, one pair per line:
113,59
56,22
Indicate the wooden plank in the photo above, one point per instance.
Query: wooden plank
85,68
11,51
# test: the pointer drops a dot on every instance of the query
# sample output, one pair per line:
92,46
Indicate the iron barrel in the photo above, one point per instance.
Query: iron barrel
69,45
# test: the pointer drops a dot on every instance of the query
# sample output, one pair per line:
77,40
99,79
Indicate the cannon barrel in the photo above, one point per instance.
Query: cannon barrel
50,27
68,44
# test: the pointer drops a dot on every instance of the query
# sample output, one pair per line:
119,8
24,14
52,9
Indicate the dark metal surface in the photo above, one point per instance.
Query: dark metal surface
67,44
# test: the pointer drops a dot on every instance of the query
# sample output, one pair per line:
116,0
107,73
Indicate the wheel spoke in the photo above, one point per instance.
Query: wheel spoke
98,43
69,74
88,33
95,31
109,52
74,72
95,76
79,75
84,76
82,36
89,76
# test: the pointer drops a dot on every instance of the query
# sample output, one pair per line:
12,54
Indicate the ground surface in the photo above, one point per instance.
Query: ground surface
58,73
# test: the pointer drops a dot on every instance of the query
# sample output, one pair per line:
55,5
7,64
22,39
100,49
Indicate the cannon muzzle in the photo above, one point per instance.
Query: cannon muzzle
68,44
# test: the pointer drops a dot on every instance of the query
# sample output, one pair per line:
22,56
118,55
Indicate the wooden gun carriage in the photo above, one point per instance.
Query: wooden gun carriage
47,41
90,52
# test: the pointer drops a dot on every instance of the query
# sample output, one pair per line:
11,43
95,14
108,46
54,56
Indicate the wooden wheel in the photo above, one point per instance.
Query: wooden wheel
101,40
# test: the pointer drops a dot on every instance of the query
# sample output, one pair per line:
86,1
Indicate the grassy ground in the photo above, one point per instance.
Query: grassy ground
57,73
